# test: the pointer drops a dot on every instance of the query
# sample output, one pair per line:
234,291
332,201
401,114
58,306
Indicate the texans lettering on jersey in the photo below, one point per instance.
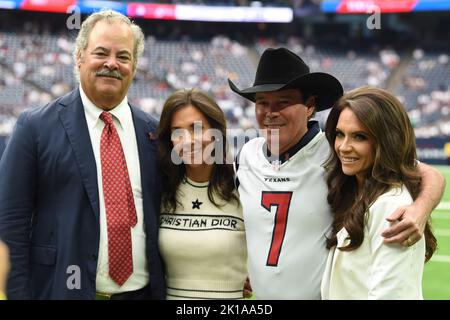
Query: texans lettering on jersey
280,179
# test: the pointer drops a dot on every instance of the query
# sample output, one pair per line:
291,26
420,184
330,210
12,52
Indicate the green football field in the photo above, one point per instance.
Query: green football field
436,281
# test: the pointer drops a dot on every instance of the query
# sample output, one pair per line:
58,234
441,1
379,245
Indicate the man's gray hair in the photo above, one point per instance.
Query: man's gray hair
108,15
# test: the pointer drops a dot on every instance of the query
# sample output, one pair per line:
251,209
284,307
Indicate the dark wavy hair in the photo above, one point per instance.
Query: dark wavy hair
394,165
222,175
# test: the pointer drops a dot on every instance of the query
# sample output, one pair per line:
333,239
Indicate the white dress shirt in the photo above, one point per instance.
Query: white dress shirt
123,122
376,270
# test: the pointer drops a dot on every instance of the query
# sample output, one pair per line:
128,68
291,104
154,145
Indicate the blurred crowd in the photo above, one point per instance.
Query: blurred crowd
275,3
34,69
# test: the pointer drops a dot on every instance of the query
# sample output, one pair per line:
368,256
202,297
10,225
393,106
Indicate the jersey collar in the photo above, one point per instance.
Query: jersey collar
313,130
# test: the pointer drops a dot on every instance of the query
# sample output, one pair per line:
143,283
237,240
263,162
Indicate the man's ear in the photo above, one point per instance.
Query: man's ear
79,59
311,105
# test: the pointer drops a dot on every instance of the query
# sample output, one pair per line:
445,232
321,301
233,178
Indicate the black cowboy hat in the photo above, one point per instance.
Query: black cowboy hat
280,69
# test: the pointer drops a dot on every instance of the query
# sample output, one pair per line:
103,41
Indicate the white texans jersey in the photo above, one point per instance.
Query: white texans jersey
287,218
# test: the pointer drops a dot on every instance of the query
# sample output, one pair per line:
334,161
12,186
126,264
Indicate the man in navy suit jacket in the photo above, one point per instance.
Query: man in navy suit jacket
52,210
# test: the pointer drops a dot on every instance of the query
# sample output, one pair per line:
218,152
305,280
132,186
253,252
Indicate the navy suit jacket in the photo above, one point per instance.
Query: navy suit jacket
49,202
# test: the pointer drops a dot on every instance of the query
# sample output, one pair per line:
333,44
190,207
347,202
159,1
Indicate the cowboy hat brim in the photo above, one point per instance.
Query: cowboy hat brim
323,85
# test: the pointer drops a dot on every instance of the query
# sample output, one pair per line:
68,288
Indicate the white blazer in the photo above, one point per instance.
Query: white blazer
376,270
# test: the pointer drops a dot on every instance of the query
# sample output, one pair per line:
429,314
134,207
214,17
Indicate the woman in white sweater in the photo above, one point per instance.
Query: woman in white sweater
371,171
202,234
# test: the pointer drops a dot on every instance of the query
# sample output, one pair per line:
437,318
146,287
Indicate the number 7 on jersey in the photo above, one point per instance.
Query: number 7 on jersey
282,201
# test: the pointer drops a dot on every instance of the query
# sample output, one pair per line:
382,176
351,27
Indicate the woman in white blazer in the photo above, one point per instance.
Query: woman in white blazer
371,171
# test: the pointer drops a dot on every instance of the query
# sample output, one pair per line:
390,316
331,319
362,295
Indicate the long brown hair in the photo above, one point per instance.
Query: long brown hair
222,175
394,163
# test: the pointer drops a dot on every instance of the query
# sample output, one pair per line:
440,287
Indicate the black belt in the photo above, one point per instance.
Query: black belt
140,294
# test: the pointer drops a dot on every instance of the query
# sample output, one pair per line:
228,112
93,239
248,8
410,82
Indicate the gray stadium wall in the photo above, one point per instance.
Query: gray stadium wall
434,150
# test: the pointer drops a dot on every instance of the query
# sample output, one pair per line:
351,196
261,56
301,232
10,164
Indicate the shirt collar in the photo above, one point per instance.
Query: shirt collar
121,112
313,130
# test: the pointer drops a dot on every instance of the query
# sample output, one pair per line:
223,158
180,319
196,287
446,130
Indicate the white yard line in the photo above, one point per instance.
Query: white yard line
439,258
444,169
440,215
442,232
444,205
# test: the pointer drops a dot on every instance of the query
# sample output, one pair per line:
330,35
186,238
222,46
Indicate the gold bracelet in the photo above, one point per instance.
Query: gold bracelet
2,295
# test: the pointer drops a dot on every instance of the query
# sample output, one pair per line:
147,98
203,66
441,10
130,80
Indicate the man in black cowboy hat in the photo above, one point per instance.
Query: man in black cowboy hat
281,181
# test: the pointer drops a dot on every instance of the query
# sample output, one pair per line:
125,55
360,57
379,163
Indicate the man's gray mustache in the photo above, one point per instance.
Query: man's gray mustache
109,73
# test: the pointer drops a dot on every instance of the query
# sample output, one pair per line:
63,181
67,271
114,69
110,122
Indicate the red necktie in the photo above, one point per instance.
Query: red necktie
119,202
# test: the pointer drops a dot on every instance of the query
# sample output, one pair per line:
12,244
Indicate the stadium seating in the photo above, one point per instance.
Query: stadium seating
425,91
36,69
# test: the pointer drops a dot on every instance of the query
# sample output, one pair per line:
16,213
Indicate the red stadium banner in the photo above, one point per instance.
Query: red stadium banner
152,11
383,6
47,5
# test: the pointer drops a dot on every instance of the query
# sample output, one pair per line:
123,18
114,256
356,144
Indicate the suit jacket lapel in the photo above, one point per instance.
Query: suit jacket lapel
146,145
146,142
74,121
